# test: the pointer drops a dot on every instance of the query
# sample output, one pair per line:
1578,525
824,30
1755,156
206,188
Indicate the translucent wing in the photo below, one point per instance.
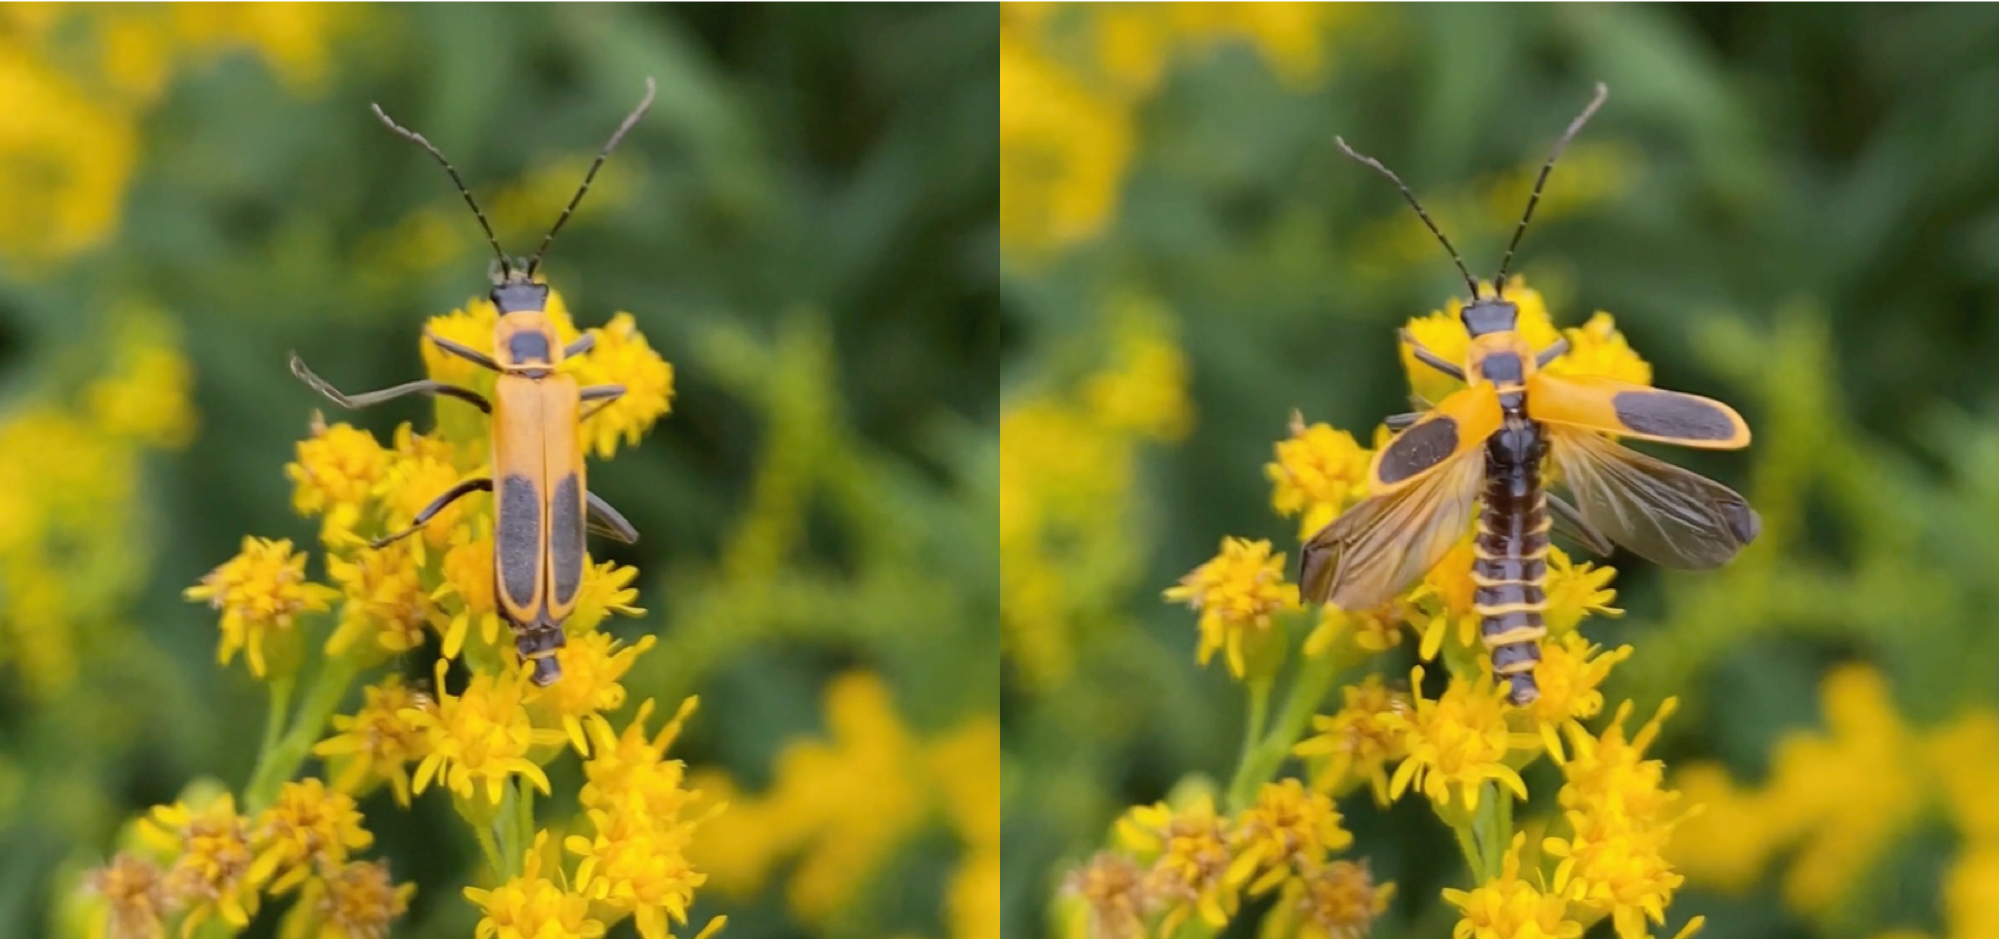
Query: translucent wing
1384,544
1661,512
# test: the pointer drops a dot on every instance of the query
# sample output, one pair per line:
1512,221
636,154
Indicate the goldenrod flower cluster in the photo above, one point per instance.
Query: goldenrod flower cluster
1068,128
486,738
1825,826
1448,734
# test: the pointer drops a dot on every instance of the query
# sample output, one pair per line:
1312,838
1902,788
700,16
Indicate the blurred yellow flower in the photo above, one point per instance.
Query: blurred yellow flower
1237,594
1458,740
135,898
1111,888
482,734
1508,907
356,900
308,828
1143,389
260,591
213,857
385,609
530,906
1339,900
606,589
148,396
622,357
1289,830
1597,348
1189,851
1318,472
1360,740
591,667
379,741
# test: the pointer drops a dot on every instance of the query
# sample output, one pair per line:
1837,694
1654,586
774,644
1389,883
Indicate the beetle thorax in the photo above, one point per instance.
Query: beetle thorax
526,341
1502,358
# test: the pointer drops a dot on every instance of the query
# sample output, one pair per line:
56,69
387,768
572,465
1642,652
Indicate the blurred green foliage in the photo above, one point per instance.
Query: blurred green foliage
1793,209
805,226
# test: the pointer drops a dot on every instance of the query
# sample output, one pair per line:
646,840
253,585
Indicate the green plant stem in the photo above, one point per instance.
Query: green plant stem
280,760
1259,714
523,817
1493,828
1469,845
491,849
1261,761
274,719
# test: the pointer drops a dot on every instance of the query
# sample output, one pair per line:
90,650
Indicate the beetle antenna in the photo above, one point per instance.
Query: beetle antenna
418,139
1602,92
609,145
1418,206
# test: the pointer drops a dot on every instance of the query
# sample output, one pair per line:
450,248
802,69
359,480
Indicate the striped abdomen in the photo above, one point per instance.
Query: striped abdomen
1510,570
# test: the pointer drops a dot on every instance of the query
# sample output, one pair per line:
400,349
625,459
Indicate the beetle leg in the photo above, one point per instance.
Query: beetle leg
1553,352
604,395
333,394
610,523
1431,359
467,353
583,343
436,505
1397,423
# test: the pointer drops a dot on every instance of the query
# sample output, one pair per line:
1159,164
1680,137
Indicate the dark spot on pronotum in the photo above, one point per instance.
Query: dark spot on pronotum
1419,448
527,348
565,539
1501,368
517,539
1680,417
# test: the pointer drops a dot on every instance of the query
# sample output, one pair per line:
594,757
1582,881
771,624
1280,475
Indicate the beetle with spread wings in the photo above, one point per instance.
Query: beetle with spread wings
1479,453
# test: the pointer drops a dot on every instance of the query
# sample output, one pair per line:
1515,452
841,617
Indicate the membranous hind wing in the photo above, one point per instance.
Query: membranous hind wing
1637,411
1458,425
1387,542
1663,513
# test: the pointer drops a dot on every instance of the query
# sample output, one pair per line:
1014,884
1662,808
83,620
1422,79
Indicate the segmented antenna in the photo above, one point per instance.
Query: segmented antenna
1602,92
418,139
630,119
1470,282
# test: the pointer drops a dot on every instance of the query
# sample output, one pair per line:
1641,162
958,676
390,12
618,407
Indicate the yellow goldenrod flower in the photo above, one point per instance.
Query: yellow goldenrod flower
1190,860
1458,740
1318,472
1510,908
308,828
212,863
636,863
1370,632
1360,740
1444,600
379,741
591,667
481,734
1964,758
356,900
1289,830
385,609
1143,390
149,397
630,768
1616,809
606,589
531,906
1237,594
412,483
135,898
1597,348
259,591
622,357
1339,901
338,471
1575,591
1111,888
1569,675
471,326
468,587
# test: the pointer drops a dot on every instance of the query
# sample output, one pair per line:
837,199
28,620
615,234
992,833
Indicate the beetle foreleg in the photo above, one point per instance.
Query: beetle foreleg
363,400
436,505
